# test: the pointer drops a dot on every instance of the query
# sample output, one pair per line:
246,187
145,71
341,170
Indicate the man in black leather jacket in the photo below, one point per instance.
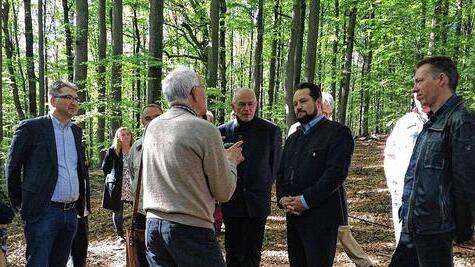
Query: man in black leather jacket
438,198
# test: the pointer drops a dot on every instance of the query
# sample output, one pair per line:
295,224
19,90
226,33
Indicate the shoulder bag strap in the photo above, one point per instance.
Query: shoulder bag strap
139,185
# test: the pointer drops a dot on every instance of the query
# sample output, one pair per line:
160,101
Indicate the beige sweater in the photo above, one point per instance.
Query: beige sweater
185,169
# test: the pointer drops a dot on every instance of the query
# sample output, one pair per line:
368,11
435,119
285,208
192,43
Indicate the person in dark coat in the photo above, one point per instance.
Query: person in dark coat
246,213
78,256
314,166
46,177
6,217
117,184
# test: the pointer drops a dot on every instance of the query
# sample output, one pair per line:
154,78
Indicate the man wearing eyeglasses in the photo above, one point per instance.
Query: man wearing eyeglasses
185,170
47,179
246,213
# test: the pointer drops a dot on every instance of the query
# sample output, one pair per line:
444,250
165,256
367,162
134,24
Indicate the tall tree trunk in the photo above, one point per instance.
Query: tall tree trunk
68,39
116,69
366,78
232,75
438,36
154,86
213,53
222,60
17,55
321,48
336,33
458,30
251,53
421,37
101,72
273,57
41,56
1,83
312,40
299,44
258,53
9,52
280,62
80,59
137,84
30,61
345,87
291,63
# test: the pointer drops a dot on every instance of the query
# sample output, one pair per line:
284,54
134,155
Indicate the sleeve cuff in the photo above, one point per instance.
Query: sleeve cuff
304,203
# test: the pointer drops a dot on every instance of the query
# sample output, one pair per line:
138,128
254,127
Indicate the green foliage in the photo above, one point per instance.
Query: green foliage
398,36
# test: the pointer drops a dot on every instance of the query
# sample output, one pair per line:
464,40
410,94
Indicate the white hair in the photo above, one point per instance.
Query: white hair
328,99
178,84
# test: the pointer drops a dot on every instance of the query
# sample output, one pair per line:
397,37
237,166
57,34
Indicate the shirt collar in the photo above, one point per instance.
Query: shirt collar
186,108
449,103
306,127
57,123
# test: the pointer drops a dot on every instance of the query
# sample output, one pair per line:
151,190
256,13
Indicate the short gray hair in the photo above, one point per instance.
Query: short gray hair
178,84
55,88
328,99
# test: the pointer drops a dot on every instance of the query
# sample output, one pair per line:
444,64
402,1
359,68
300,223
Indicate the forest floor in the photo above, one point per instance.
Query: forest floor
369,208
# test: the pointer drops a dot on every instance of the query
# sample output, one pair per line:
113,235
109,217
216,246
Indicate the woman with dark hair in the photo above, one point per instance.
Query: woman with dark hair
117,188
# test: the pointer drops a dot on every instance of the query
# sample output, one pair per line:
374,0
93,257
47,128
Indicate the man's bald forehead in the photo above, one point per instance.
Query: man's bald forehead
238,93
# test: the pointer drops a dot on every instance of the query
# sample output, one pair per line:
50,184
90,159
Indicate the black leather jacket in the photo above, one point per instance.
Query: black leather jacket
440,198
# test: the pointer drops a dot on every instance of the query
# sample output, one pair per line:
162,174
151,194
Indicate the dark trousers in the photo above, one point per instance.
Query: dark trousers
49,239
310,245
80,243
243,240
174,244
425,251
140,248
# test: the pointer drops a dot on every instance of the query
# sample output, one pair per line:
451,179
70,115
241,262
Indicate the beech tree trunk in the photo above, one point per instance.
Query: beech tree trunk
116,68
101,72
68,39
312,40
154,86
345,87
258,53
30,61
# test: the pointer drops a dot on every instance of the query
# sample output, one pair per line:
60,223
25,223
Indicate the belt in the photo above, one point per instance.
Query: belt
63,206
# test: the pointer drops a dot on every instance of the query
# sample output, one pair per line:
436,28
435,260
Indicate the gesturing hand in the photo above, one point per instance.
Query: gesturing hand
235,152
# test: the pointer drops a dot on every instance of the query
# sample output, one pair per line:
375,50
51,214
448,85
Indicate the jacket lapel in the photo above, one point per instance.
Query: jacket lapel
50,140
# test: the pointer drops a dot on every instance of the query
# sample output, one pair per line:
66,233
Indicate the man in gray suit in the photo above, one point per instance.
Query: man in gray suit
46,178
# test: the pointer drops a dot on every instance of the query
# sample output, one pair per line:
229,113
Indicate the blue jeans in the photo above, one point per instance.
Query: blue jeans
118,220
174,244
49,239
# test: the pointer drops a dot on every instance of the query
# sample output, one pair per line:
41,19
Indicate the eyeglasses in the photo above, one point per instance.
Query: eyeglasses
69,97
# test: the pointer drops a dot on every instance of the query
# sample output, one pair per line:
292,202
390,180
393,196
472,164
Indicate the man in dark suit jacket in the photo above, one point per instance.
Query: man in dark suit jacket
81,239
314,165
46,178
246,213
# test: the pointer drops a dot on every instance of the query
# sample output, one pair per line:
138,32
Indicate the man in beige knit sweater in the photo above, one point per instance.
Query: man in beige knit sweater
186,169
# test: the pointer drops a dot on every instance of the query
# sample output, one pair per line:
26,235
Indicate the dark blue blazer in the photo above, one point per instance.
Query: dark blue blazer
32,168
261,149
316,165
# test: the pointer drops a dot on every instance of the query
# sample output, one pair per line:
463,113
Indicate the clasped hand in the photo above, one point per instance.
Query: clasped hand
293,205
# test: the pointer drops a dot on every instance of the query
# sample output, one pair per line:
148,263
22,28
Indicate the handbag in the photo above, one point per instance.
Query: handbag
135,238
